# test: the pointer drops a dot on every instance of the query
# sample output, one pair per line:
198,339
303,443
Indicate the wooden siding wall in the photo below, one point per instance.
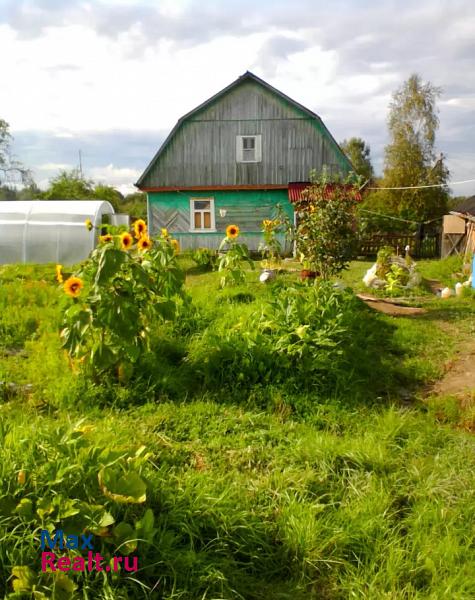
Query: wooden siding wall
203,150
247,209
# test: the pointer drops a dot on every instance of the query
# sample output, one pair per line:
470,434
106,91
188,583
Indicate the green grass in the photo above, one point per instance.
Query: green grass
257,492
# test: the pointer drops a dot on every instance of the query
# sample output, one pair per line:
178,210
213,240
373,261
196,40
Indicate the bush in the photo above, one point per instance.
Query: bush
326,229
205,258
305,337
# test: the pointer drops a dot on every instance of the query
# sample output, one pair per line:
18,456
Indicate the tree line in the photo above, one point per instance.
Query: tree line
72,185
16,183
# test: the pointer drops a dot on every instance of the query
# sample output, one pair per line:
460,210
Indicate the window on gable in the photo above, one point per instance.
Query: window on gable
202,214
248,148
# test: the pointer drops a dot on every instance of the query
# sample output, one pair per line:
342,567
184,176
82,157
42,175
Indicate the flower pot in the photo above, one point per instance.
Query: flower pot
307,274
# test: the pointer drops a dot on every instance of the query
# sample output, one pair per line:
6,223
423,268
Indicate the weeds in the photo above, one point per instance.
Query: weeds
231,488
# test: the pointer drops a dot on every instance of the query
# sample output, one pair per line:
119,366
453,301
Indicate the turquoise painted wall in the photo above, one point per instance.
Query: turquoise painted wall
245,208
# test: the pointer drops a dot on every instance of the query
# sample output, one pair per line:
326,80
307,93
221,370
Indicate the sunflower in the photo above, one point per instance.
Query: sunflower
140,228
176,245
144,243
59,274
268,224
164,232
126,240
106,238
232,231
73,286
88,224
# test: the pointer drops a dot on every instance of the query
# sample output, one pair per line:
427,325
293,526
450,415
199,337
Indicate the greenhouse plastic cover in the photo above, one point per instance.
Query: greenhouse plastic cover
43,231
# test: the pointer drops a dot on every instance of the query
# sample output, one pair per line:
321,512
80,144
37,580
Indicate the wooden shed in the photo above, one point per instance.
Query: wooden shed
233,159
458,237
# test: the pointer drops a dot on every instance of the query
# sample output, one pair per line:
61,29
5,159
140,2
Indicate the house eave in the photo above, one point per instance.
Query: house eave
210,188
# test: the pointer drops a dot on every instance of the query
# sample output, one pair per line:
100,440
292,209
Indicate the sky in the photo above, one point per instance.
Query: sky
110,78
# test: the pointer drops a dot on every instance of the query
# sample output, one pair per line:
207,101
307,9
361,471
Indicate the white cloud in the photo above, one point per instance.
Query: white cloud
55,167
120,178
101,66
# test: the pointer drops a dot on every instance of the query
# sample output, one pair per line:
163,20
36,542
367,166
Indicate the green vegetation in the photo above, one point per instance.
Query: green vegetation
410,159
358,151
325,231
128,289
72,185
320,473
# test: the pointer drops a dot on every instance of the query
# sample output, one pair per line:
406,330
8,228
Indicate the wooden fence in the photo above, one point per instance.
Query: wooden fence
427,246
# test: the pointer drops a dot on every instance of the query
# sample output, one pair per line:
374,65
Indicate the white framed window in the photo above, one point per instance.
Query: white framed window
202,216
248,148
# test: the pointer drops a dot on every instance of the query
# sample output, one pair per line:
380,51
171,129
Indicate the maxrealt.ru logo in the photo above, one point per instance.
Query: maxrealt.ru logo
93,561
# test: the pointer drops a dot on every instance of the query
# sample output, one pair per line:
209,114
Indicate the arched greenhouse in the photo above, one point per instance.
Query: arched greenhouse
43,231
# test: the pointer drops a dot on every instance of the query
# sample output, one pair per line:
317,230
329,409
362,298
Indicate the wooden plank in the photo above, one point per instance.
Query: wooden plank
203,150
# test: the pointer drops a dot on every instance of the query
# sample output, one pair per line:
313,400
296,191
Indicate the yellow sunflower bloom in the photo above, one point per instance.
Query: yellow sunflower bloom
176,245
164,232
144,243
267,224
88,224
232,231
106,238
73,286
126,240
140,228
59,274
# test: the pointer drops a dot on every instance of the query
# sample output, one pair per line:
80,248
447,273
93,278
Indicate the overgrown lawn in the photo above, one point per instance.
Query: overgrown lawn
276,489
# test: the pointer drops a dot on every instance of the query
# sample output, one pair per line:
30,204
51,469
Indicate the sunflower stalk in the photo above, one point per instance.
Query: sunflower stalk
232,257
118,299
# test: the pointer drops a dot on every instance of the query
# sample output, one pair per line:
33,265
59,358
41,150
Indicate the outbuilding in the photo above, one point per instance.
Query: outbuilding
44,231
458,237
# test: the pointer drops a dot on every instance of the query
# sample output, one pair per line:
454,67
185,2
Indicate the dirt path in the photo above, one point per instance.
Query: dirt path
459,378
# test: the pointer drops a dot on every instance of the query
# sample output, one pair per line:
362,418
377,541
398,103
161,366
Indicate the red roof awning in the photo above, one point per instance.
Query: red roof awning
296,189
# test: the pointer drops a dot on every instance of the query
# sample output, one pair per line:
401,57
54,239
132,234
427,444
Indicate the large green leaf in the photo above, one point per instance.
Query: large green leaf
102,356
64,588
126,488
144,527
24,508
125,537
109,263
24,580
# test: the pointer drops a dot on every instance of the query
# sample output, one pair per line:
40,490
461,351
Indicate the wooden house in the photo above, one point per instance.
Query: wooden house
232,160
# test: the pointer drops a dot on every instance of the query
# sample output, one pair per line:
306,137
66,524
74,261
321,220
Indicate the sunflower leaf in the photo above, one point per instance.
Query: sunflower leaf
109,263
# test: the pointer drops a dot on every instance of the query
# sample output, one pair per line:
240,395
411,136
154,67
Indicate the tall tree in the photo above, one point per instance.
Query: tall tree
69,185
72,185
107,192
11,170
410,158
358,151
135,204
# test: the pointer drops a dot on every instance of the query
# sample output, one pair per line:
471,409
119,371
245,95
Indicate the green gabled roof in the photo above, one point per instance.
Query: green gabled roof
248,76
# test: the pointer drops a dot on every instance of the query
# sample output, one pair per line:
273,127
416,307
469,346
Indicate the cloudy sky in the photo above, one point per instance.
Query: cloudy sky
111,77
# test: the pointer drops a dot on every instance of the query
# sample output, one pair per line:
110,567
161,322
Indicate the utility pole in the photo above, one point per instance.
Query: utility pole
80,164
